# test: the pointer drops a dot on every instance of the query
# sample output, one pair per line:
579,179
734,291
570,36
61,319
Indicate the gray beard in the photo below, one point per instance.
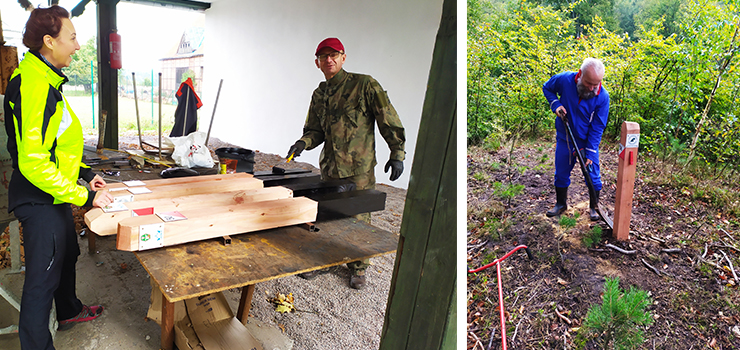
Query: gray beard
583,93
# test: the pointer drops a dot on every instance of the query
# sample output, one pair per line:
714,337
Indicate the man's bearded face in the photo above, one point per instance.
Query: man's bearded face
584,92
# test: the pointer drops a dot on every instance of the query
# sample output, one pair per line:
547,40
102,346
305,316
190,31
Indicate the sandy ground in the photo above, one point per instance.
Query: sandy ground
333,316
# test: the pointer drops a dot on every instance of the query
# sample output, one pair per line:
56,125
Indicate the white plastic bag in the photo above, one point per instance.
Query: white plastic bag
190,151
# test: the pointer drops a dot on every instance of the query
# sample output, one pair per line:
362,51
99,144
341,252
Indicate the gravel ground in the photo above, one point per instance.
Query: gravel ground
333,315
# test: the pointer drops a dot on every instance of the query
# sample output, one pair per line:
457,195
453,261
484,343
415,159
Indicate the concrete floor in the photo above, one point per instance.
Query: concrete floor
116,280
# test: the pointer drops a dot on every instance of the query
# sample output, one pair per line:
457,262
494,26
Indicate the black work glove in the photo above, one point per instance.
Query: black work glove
296,149
396,167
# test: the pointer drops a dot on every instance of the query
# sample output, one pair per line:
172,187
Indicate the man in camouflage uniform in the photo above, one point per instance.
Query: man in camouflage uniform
343,112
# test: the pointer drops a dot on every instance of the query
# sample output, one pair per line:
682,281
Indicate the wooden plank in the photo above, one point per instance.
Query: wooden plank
105,224
205,223
286,179
185,180
422,294
205,267
189,189
286,171
346,204
91,245
303,189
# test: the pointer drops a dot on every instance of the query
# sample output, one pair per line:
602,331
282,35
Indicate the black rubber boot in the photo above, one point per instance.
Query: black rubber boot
594,203
561,205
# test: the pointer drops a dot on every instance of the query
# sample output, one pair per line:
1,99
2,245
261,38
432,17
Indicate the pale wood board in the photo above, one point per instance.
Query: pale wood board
205,223
177,190
187,179
105,224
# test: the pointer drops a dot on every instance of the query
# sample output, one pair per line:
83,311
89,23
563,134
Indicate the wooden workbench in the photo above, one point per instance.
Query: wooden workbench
199,268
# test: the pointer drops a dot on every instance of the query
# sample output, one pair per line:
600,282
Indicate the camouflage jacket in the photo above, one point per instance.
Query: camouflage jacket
342,115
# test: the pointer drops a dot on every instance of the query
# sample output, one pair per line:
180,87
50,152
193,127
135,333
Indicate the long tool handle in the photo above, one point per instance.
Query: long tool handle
159,98
136,105
210,125
586,175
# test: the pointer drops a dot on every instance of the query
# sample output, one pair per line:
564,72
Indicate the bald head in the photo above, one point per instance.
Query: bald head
593,67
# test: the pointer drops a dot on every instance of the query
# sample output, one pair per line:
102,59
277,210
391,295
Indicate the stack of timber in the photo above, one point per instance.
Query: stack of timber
228,204
213,205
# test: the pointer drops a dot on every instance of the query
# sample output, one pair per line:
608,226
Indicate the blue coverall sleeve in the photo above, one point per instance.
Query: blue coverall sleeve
596,128
550,90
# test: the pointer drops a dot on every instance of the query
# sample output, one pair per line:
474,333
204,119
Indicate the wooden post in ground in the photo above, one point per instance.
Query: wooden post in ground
630,140
421,310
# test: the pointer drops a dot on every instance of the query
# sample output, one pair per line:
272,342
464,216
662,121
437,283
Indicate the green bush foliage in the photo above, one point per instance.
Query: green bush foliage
671,65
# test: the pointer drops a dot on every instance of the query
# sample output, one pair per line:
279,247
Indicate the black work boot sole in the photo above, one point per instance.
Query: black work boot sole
357,280
557,210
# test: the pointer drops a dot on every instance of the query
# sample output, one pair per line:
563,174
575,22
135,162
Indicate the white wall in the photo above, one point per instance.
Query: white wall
264,51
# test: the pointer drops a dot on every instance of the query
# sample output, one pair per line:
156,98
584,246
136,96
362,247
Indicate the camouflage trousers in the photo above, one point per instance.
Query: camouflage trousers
362,182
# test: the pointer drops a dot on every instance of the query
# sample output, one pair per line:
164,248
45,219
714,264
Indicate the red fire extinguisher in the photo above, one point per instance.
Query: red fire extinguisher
115,50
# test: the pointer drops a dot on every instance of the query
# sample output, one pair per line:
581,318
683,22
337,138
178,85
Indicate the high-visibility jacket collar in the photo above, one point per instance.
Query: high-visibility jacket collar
53,74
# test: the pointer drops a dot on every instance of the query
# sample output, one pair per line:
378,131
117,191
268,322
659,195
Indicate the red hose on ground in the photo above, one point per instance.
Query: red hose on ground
499,259
497,262
501,307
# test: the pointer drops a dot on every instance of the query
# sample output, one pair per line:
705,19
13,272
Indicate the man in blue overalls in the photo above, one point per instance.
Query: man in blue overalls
579,97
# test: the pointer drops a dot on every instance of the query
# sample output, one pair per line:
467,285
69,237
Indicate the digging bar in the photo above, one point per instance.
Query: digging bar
587,177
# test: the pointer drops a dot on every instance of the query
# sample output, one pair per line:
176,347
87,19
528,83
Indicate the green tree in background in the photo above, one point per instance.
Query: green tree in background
78,71
676,73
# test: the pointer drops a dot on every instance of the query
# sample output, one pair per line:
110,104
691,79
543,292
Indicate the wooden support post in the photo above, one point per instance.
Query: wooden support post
91,236
630,140
420,312
168,324
245,303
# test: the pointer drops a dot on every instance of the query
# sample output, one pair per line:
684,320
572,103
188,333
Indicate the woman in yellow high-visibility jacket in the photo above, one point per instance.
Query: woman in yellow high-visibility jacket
45,142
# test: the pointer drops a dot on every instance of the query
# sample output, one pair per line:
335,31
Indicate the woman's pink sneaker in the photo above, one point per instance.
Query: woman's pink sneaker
88,313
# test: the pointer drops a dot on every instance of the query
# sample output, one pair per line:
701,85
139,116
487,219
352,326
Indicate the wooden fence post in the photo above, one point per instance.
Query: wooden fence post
630,140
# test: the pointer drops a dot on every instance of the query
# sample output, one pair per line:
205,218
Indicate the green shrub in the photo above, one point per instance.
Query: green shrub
567,222
616,322
593,237
507,192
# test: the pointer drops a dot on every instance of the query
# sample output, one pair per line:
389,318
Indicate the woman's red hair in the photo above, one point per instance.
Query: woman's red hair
47,21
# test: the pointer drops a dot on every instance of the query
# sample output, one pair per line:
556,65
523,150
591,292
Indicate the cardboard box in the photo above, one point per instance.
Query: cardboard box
185,337
216,326
204,323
